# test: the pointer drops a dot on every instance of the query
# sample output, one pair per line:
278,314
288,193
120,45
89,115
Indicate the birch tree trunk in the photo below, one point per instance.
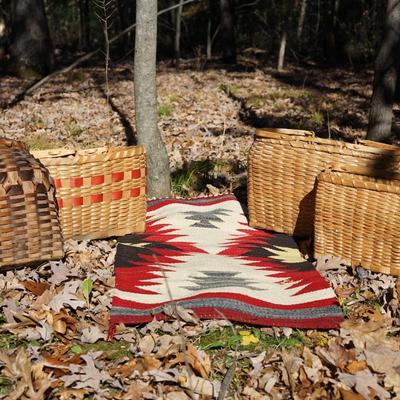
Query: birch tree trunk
146,99
178,24
209,41
3,37
282,50
386,75
302,17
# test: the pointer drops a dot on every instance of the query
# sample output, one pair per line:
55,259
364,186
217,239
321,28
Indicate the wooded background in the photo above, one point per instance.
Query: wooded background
340,32
37,36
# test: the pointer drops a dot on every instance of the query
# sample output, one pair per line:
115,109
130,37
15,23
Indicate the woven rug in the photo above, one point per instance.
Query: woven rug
202,255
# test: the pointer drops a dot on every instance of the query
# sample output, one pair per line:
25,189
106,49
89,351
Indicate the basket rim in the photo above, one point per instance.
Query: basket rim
299,138
381,182
67,156
284,132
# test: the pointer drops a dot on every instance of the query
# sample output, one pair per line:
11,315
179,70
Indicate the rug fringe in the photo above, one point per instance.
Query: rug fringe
111,331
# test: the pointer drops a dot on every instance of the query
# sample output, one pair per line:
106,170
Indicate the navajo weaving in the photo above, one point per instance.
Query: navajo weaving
202,255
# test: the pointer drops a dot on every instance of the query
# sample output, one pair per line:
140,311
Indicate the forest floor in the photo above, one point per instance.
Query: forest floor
54,318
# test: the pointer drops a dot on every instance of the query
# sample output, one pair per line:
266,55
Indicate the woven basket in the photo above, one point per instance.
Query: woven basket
29,227
282,167
357,217
100,192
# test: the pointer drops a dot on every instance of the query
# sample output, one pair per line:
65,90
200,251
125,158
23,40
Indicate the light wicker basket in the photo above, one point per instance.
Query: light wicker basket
29,227
100,192
357,217
282,167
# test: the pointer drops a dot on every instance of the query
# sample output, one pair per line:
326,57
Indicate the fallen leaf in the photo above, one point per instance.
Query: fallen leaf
37,288
92,334
356,366
60,272
350,395
73,394
43,300
177,396
179,312
67,297
328,263
10,308
252,393
136,390
257,363
147,344
86,376
336,354
165,375
168,345
199,385
363,382
382,358
124,370
200,362
150,363
214,191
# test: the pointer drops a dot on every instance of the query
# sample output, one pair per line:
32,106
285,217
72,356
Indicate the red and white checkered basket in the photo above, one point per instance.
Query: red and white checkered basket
100,192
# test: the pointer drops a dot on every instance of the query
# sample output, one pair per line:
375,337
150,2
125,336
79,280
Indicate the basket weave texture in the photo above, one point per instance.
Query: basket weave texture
357,218
100,192
29,227
282,167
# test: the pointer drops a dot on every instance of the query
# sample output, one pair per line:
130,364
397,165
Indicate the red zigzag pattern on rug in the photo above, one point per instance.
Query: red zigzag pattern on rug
201,254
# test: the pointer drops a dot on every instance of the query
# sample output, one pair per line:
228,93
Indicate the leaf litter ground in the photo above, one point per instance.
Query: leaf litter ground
54,318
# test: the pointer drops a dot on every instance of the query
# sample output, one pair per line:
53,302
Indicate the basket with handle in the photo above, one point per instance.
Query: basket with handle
101,192
29,226
283,165
357,217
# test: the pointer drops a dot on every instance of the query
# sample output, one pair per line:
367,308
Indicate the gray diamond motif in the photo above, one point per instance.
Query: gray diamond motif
214,280
205,218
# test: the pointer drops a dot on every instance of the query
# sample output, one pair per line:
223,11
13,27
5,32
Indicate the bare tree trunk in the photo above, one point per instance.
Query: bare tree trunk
107,49
86,16
178,33
209,41
386,70
318,17
146,99
3,37
282,50
302,17
210,36
121,21
228,32
31,48
82,29
330,30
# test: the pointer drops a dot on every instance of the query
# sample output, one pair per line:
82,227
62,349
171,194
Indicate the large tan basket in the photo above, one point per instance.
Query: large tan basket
29,227
101,192
357,217
282,167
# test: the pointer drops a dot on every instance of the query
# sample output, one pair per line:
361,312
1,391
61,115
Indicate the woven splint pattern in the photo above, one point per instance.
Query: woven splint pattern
29,225
101,192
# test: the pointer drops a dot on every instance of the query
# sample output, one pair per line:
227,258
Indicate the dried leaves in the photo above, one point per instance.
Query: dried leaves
56,316
30,381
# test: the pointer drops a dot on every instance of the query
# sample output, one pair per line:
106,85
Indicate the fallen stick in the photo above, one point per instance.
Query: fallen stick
82,59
